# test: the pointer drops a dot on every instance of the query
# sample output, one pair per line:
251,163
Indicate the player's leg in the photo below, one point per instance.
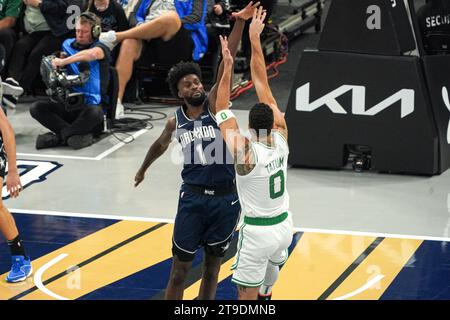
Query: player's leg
250,262
186,239
265,291
178,273
210,275
247,293
21,264
282,233
223,217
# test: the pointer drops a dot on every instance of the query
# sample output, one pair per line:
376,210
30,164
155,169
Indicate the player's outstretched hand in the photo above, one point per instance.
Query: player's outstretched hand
247,12
226,54
139,178
257,25
13,184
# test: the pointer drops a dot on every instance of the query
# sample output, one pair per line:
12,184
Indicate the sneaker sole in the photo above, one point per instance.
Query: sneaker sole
11,90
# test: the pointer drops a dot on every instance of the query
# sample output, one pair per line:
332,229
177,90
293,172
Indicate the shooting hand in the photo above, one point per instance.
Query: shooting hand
247,12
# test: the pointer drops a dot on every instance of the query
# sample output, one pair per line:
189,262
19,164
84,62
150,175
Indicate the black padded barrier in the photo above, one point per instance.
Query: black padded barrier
395,104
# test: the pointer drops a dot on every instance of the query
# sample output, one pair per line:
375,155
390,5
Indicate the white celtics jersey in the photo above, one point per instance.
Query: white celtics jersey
262,192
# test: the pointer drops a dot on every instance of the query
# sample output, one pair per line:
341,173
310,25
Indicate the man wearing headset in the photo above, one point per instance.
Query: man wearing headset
76,128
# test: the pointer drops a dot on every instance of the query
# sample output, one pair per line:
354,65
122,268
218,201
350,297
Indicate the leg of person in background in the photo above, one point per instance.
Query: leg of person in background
22,50
52,116
7,41
130,51
165,27
80,133
47,45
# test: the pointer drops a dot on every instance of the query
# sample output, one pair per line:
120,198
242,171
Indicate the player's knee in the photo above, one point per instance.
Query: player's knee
171,23
211,271
178,275
35,109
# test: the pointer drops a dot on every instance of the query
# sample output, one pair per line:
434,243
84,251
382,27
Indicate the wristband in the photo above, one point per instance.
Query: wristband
223,116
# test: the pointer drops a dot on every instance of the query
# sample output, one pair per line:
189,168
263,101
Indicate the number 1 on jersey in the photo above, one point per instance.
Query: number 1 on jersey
201,154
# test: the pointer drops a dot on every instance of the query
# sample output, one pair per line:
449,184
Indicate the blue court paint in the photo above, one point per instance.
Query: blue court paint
426,276
43,234
142,285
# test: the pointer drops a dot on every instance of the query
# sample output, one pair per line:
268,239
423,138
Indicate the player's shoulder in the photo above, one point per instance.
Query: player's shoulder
171,123
280,135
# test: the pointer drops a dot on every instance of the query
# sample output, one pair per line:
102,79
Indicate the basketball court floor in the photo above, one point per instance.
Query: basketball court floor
92,235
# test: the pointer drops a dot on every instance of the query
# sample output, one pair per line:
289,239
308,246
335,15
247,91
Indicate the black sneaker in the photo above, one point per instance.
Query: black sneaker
47,140
9,101
12,87
80,141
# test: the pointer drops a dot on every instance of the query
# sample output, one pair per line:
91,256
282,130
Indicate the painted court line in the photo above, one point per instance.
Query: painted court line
97,158
120,145
53,156
365,287
40,272
150,219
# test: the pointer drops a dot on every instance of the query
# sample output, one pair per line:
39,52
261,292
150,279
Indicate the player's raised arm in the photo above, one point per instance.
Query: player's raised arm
236,143
156,150
225,117
234,39
259,72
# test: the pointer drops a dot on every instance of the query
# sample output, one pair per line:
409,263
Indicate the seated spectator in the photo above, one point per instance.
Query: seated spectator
77,128
9,13
112,16
45,29
128,6
434,23
157,19
218,16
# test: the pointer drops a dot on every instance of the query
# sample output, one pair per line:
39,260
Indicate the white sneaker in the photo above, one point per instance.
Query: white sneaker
109,39
120,110
12,87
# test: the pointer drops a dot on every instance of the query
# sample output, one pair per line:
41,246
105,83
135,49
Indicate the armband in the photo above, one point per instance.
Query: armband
223,116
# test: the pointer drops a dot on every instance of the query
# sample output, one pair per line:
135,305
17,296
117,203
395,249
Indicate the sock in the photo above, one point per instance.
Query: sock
16,247
272,271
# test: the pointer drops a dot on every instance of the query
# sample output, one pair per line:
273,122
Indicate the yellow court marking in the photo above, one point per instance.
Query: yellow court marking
316,262
78,252
225,271
387,260
116,265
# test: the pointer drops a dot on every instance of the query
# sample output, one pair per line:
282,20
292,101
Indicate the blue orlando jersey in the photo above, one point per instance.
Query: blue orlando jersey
207,161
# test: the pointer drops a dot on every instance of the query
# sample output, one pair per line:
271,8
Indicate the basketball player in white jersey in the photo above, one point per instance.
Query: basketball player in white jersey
261,167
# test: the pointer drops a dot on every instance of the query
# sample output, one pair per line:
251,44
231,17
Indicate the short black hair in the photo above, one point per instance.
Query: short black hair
179,71
260,119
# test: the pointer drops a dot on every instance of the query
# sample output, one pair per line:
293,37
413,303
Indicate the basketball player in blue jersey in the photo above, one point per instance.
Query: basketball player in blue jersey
208,207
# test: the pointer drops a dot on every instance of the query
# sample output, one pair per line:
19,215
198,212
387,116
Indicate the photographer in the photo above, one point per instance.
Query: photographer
72,123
